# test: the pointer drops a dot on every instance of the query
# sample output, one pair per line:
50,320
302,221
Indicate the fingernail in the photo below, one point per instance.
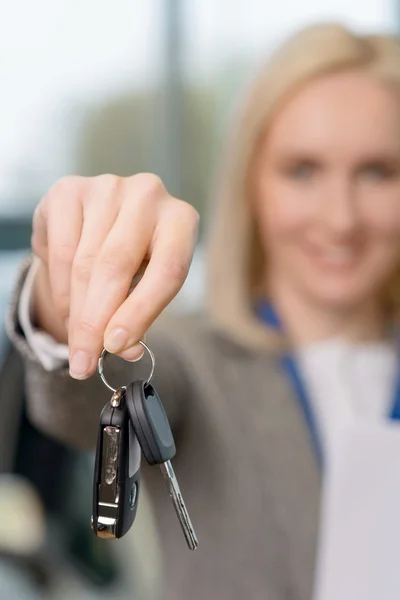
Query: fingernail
79,364
116,340
132,354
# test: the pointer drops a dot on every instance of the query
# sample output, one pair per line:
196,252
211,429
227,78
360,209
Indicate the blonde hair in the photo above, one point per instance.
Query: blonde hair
234,249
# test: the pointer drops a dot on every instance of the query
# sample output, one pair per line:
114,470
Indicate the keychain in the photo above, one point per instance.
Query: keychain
133,420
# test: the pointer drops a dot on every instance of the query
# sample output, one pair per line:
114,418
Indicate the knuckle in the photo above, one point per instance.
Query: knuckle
188,212
113,259
64,252
82,266
113,262
104,188
182,213
107,183
85,327
175,268
148,185
138,312
65,185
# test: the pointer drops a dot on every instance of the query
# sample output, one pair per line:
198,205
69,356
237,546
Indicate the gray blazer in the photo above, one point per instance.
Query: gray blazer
244,459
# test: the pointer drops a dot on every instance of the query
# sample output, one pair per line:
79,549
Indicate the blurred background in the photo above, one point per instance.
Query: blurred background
94,86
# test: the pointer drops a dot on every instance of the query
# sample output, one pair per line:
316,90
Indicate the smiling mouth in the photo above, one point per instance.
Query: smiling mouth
336,257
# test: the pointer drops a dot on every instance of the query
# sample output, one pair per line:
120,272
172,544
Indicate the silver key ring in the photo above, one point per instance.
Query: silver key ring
100,367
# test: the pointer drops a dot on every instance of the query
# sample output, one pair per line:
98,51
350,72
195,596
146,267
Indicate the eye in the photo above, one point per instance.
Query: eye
378,171
302,170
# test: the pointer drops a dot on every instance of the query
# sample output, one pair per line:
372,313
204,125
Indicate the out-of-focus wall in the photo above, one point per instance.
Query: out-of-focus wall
86,88
82,82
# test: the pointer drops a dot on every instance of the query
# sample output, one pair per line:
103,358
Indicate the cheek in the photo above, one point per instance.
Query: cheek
281,215
382,222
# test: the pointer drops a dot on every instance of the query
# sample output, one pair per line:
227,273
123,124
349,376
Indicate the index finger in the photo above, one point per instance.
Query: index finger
166,272
117,262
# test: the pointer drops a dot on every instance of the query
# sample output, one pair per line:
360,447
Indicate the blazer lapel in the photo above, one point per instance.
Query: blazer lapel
293,470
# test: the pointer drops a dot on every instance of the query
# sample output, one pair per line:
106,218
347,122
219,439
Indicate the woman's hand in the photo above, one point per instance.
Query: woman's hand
92,235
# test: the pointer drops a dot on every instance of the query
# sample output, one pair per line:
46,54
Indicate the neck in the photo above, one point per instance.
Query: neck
307,321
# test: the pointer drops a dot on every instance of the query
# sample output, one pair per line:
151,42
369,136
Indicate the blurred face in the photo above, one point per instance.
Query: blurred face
327,189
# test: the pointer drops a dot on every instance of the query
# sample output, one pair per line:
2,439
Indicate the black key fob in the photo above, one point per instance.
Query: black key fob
150,422
155,437
117,471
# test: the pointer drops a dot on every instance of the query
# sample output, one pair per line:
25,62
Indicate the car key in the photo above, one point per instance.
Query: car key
117,471
154,434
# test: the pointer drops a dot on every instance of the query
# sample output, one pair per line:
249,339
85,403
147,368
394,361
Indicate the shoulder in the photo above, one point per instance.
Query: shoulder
195,337
189,330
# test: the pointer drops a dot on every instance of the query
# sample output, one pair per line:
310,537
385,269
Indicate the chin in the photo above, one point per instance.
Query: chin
341,298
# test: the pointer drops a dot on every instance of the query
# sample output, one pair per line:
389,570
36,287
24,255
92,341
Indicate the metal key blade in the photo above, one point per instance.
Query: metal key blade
179,505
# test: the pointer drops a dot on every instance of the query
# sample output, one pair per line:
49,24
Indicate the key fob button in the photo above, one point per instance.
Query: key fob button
133,496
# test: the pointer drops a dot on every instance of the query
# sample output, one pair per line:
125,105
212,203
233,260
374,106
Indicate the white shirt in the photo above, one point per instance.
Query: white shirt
348,383
345,383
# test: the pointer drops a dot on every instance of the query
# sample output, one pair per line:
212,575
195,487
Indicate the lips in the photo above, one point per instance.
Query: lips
338,257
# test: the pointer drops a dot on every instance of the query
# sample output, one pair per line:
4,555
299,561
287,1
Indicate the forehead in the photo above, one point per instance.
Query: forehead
345,111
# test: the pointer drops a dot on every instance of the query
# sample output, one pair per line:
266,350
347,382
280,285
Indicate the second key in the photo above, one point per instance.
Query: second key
154,435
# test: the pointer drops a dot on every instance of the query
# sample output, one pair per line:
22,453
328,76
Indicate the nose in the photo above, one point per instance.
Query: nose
339,211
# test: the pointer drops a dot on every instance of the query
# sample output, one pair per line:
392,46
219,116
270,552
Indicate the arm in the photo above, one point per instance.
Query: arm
68,409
